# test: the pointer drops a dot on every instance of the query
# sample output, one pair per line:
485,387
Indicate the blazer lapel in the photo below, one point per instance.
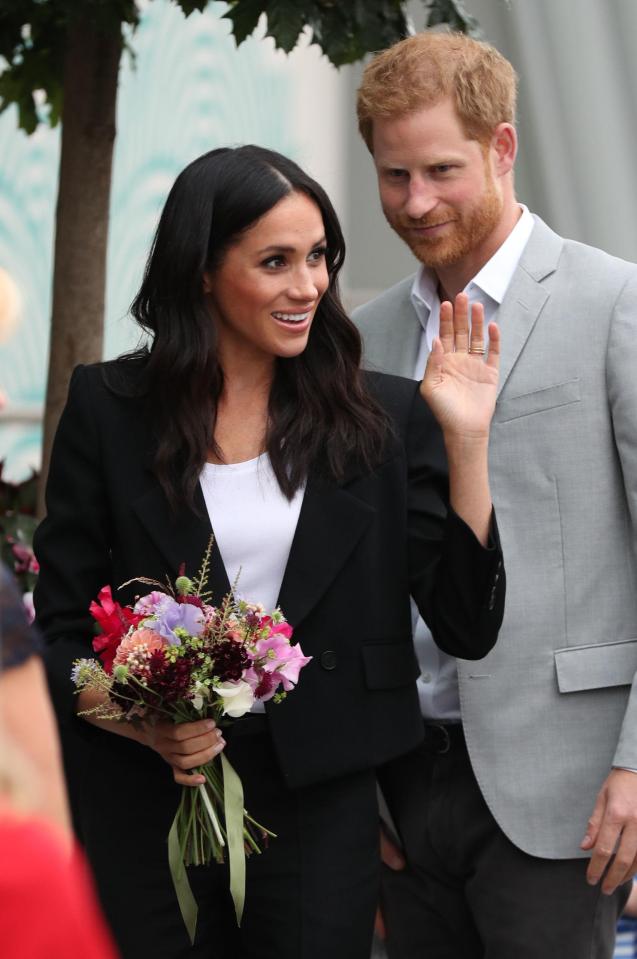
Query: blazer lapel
182,537
525,297
403,342
330,524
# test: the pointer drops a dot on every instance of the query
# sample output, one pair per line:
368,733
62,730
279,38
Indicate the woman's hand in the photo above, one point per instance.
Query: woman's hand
184,746
459,386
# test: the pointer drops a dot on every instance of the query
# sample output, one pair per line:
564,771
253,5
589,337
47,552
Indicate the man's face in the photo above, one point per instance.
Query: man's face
437,188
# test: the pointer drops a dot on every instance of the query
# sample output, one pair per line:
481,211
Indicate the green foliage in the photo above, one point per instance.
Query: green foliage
453,13
33,35
345,32
17,526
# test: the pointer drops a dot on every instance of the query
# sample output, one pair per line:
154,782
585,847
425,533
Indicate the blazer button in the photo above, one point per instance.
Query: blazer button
328,659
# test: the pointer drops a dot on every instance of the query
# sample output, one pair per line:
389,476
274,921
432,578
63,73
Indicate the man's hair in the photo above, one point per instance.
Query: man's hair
422,70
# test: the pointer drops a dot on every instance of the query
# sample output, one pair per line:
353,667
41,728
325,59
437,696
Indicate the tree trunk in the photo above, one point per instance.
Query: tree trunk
81,233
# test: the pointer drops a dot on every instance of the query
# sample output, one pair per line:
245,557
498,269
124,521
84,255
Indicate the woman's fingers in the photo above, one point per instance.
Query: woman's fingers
186,778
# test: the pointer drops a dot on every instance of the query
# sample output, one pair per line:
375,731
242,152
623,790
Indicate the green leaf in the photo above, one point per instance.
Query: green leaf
454,14
286,20
244,17
189,6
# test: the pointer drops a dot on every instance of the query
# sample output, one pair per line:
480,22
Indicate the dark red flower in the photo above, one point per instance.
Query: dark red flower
114,621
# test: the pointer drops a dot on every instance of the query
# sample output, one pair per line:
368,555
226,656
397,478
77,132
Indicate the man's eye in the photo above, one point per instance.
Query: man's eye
443,168
396,174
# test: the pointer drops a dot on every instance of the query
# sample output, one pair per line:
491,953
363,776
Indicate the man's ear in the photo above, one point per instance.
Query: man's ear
504,148
207,282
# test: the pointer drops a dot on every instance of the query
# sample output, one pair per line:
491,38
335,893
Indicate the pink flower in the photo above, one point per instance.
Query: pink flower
141,639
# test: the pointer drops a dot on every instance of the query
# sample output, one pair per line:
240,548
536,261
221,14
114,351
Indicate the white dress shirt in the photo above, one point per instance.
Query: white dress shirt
438,681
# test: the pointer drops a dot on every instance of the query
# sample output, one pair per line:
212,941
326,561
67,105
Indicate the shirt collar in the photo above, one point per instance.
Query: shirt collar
492,280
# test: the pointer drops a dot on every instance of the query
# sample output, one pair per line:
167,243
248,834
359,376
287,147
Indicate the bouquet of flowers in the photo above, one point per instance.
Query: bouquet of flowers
174,655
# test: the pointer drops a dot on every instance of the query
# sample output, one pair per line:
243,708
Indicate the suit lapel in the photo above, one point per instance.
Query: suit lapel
525,297
403,342
182,537
330,524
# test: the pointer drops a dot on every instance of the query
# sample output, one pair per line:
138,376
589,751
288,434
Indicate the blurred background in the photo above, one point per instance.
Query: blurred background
190,90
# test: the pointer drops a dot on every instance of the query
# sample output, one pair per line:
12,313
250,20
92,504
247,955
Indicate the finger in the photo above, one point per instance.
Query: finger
477,328
196,759
493,359
187,779
602,851
594,823
461,323
186,747
182,731
433,370
390,853
446,326
379,925
621,868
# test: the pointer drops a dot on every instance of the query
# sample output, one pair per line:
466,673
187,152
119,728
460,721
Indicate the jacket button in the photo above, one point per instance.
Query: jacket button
328,659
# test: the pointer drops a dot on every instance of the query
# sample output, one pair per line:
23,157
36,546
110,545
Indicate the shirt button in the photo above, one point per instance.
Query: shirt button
426,677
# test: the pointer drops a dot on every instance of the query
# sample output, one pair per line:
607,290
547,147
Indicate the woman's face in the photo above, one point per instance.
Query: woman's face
270,282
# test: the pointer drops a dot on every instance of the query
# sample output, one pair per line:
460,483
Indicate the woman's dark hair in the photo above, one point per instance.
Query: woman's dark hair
320,412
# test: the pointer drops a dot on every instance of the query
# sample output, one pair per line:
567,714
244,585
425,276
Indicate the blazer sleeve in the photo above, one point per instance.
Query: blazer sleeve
72,542
458,585
621,382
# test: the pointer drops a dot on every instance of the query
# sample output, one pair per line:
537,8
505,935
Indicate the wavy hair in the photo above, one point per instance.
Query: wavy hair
423,69
320,413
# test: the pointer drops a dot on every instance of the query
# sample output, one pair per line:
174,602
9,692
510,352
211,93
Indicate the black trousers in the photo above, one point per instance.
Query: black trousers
467,891
311,894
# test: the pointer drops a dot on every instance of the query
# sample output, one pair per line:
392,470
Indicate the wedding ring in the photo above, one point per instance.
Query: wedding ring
477,350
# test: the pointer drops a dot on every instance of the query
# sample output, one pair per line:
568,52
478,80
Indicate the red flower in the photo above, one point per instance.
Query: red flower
114,621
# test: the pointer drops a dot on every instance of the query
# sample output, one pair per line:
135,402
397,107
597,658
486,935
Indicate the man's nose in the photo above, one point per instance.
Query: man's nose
421,198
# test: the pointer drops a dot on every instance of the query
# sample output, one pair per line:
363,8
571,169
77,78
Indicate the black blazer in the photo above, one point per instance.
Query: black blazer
360,548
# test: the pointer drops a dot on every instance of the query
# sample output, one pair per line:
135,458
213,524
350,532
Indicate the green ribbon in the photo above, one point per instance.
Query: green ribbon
233,808
187,903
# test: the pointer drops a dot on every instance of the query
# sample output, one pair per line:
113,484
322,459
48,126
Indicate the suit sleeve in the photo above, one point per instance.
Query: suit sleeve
72,543
621,364
458,584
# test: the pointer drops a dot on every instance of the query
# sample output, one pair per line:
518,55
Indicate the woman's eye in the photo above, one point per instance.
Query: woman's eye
274,262
318,254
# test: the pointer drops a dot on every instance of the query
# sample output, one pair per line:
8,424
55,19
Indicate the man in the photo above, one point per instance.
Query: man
518,815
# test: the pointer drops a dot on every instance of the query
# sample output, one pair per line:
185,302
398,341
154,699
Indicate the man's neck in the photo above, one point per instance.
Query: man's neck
453,279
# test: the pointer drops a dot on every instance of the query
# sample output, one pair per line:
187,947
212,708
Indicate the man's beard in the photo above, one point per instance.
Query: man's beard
465,235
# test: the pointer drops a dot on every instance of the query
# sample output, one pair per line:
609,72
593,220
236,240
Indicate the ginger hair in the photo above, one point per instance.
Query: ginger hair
424,69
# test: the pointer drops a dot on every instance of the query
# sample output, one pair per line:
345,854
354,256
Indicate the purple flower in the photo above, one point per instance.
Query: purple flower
171,616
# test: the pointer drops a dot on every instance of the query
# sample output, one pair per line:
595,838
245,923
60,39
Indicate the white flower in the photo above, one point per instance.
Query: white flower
237,698
201,694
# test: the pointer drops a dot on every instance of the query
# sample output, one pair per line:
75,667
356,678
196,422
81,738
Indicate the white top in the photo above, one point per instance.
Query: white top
253,525
438,681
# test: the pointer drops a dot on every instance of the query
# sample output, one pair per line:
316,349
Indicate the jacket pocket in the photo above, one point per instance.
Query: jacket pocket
388,665
510,408
596,667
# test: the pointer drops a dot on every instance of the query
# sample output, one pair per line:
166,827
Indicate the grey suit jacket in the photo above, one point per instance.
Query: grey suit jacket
554,705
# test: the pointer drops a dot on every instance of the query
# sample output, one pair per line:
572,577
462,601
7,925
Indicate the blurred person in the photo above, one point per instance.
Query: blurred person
47,906
518,814
247,414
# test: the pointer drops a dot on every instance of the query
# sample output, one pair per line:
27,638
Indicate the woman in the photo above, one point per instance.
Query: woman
248,414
